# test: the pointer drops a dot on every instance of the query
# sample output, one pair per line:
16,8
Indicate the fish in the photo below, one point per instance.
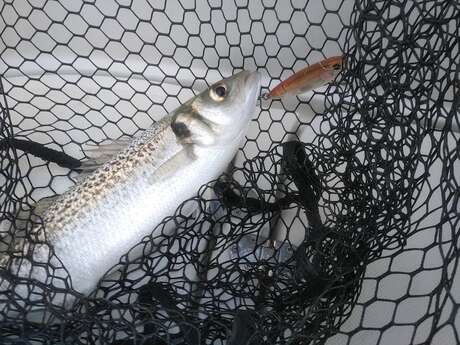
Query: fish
89,227
308,78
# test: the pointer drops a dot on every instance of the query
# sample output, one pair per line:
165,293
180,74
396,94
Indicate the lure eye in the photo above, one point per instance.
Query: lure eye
219,92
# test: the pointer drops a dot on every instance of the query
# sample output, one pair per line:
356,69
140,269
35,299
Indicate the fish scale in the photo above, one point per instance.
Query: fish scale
156,144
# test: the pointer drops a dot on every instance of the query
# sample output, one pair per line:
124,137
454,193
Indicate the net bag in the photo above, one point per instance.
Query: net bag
338,223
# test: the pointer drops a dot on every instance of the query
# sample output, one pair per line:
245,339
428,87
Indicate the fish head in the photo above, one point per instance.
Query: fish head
220,114
333,66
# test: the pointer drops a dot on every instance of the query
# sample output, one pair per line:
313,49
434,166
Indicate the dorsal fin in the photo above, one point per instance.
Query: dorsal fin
10,228
99,154
43,204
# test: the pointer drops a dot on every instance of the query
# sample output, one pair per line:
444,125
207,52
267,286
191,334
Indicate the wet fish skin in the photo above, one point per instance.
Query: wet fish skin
108,212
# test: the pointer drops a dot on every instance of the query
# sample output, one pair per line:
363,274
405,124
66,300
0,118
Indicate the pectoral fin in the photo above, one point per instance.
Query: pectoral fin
173,165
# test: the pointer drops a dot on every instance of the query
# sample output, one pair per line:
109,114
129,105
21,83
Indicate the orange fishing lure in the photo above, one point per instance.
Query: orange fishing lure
309,78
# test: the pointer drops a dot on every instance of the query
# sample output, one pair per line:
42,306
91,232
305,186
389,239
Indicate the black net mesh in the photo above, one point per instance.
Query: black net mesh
339,223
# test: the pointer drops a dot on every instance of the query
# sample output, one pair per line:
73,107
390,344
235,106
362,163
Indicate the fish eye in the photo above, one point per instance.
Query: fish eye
337,66
219,92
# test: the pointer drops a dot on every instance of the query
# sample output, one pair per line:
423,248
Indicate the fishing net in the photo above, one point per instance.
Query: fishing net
339,223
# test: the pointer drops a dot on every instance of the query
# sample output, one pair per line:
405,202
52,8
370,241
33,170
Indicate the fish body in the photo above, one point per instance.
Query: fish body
308,78
109,211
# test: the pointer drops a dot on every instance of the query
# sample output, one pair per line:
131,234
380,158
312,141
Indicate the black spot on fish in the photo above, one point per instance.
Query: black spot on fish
180,130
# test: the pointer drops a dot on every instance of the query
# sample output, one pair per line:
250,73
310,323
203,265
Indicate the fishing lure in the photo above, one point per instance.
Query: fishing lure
309,78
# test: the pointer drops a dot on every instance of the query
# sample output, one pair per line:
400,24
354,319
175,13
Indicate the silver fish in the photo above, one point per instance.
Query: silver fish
110,210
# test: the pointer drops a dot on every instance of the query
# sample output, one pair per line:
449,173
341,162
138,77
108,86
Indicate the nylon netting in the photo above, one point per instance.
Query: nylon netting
339,223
